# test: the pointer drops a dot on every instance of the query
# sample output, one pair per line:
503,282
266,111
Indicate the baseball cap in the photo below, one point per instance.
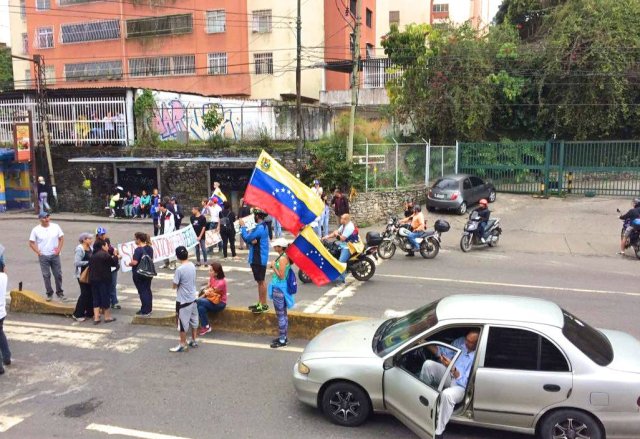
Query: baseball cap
101,230
43,215
280,242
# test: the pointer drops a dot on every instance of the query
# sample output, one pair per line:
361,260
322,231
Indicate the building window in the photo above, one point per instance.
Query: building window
25,43
27,78
217,63
75,2
394,18
50,74
264,63
216,21
44,38
262,21
43,5
369,18
163,66
23,9
158,26
91,31
353,5
371,53
93,71
442,7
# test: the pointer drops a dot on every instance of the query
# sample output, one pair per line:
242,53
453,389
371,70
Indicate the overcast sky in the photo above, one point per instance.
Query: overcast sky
5,36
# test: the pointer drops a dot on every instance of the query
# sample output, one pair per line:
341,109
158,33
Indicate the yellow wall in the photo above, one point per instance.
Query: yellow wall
411,11
18,26
282,43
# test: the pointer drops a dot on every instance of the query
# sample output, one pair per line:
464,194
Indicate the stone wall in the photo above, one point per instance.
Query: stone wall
373,207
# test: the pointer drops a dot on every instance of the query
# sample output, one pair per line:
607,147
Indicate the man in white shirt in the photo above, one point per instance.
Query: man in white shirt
5,353
214,213
316,188
167,225
46,240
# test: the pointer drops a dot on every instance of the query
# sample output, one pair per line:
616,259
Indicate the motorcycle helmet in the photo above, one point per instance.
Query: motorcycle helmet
483,203
636,202
404,232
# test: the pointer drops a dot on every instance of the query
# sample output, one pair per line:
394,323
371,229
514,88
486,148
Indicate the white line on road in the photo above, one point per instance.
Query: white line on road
502,284
6,422
237,344
110,429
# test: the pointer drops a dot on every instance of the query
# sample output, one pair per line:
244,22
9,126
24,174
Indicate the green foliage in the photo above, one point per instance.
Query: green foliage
143,109
212,119
6,70
329,164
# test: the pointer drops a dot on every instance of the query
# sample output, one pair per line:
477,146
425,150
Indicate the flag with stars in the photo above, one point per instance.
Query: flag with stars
311,256
276,191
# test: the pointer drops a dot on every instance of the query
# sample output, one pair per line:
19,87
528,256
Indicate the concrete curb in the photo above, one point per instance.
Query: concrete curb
301,325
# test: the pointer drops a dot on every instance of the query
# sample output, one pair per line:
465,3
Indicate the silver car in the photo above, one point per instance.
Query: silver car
538,370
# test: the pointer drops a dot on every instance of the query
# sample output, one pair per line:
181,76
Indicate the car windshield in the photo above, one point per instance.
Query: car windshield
446,183
593,343
393,332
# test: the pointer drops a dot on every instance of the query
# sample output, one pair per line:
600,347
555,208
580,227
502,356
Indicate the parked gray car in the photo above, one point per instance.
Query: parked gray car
458,192
538,370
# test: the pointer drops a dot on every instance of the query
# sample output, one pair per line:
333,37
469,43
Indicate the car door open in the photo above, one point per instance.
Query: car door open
413,401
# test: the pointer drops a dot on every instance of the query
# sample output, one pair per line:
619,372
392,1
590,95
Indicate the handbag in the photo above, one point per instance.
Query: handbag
212,296
84,276
146,267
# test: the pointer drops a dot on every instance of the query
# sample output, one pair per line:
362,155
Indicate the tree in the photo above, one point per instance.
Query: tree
212,119
6,69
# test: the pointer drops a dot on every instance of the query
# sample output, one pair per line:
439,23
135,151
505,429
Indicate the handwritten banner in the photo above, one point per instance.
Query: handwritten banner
211,237
164,246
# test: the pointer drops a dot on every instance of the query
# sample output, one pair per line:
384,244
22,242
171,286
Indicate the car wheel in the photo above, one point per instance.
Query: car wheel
345,404
569,424
492,196
462,209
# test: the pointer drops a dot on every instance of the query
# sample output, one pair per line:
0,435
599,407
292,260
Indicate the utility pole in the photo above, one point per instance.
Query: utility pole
299,90
354,79
41,88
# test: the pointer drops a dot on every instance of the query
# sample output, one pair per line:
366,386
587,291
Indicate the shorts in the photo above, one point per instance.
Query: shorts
259,272
187,316
628,231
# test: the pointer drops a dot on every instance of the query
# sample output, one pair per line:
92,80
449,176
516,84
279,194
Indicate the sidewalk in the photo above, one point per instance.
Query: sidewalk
70,217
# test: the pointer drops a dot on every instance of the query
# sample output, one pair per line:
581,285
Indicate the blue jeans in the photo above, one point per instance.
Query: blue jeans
5,353
412,239
202,246
204,306
277,229
143,285
481,228
324,221
345,255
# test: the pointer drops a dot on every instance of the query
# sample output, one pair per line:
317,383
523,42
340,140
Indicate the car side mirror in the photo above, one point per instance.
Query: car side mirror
389,363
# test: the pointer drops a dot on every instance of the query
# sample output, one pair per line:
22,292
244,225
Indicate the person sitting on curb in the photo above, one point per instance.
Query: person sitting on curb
213,298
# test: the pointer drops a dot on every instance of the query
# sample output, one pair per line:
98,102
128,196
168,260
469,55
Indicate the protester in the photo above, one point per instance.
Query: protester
142,283
316,188
184,282
243,212
213,297
100,265
46,241
214,214
127,205
199,223
340,204
326,215
135,211
166,225
43,195
83,252
258,242
145,204
217,192
154,210
408,207
228,230
277,228
5,353
279,291
269,223
177,211
346,233
101,234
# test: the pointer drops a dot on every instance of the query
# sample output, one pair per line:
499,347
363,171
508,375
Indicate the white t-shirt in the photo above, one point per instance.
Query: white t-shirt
214,211
46,238
4,280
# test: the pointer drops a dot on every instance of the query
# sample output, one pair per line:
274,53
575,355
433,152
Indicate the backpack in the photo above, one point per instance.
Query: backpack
292,281
225,222
146,266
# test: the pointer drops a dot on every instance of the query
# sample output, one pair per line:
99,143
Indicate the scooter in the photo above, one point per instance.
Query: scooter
396,236
361,265
633,240
471,236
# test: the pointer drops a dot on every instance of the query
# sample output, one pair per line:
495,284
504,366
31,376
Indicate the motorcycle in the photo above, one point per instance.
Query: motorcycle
471,236
634,239
361,265
396,236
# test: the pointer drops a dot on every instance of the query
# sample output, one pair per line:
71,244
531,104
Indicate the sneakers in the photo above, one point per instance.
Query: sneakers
260,308
482,240
179,348
254,306
204,330
141,314
620,253
278,343
62,297
49,297
116,306
79,319
193,344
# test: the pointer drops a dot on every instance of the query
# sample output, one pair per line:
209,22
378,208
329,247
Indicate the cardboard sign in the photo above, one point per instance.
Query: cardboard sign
164,246
211,237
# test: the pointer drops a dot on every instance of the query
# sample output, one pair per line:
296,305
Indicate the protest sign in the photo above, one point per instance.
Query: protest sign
211,237
164,246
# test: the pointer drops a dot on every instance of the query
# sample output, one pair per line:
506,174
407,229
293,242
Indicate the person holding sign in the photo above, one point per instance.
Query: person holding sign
258,242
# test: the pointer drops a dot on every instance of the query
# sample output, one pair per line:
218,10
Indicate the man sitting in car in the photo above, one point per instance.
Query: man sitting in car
455,384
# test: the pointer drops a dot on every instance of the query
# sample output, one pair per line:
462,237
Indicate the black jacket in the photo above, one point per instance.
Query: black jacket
100,264
631,214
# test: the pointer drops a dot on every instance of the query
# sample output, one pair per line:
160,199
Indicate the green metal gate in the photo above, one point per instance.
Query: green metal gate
601,167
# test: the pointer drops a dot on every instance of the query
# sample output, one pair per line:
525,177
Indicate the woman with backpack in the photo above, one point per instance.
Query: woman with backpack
228,230
279,291
142,279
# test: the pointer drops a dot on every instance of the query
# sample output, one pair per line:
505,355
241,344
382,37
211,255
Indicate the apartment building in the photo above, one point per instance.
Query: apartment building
19,43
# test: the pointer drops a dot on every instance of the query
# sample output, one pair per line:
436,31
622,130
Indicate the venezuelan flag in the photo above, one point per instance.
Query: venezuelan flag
311,256
273,189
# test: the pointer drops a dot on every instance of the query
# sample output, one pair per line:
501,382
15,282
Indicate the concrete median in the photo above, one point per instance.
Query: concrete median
301,325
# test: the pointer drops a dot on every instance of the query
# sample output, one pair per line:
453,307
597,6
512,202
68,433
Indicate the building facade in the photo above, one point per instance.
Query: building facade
19,43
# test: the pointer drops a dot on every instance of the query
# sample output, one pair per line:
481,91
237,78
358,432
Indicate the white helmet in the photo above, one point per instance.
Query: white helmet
404,232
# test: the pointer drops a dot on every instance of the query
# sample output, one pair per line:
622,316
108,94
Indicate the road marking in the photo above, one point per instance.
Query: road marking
6,422
110,429
238,344
502,284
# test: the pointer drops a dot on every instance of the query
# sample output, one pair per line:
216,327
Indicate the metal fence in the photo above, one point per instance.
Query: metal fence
79,121
401,165
585,167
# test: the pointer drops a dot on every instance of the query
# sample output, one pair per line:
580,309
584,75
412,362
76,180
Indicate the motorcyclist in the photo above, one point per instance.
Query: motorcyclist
345,234
418,225
631,214
484,213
